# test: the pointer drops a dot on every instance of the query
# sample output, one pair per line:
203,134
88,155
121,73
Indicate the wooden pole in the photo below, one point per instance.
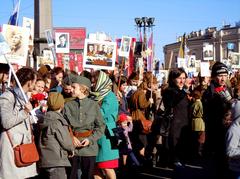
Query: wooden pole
121,69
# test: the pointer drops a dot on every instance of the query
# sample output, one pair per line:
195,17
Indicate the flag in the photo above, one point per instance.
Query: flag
181,53
13,20
150,53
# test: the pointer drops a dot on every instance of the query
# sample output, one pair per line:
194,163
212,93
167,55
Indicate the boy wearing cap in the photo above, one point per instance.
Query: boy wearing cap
216,104
84,116
55,142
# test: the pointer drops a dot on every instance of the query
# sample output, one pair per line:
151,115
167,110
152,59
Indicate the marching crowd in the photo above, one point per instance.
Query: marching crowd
99,124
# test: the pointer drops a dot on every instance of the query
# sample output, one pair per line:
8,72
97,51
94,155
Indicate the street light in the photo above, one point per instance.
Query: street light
144,22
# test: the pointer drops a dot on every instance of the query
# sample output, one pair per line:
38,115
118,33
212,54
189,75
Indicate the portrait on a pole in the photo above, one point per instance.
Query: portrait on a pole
207,51
125,46
99,54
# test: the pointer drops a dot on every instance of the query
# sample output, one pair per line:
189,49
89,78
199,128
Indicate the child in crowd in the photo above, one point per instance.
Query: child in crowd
198,125
125,149
55,142
39,96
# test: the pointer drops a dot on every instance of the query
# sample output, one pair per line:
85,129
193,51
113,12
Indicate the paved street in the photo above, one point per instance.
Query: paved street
203,169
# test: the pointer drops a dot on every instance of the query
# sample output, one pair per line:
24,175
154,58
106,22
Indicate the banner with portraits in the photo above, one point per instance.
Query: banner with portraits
99,54
18,41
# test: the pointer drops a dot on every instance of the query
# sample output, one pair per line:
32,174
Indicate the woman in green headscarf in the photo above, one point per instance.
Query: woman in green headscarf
107,158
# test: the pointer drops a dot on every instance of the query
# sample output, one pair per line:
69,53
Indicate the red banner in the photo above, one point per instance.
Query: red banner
79,62
60,60
77,36
72,61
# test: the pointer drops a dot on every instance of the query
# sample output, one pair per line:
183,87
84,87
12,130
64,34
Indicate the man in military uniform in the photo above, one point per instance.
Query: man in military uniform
87,124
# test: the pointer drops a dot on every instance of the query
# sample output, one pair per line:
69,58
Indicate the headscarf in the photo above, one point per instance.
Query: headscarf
103,86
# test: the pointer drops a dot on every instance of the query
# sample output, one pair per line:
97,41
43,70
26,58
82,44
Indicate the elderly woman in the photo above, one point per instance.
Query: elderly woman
16,126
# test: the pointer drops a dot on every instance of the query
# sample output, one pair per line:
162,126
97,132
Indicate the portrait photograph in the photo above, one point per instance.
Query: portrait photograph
62,42
99,54
41,60
18,40
163,76
125,46
207,51
191,61
48,55
234,58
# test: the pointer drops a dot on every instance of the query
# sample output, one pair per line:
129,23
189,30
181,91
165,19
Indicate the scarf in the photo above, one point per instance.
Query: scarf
103,86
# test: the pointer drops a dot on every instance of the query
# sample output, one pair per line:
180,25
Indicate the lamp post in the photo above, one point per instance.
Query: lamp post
144,23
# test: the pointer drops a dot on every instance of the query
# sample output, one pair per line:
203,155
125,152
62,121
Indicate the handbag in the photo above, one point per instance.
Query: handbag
25,154
162,122
117,138
147,126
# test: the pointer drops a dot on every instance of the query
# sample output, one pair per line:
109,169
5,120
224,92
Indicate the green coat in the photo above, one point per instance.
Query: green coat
197,116
55,141
109,109
84,115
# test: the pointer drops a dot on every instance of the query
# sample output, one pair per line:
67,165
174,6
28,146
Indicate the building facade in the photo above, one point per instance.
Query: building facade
223,41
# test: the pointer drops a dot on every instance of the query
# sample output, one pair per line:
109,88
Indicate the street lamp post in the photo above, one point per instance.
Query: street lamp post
144,22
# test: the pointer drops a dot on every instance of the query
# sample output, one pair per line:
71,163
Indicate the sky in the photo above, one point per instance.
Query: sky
173,18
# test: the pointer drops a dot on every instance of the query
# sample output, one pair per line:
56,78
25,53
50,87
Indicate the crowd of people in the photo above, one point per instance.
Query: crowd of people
100,124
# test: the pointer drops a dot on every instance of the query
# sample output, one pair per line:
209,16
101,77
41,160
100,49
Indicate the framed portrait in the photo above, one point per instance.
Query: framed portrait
41,60
191,61
181,62
62,42
234,58
99,54
125,46
207,51
163,76
18,40
47,54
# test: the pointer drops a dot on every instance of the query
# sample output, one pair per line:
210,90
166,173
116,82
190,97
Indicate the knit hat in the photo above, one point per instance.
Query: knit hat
55,101
219,68
122,117
81,80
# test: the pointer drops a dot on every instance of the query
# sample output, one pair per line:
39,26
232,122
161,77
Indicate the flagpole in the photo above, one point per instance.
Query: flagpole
18,12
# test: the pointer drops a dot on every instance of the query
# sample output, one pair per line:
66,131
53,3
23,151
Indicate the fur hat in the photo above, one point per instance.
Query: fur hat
219,68
55,101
